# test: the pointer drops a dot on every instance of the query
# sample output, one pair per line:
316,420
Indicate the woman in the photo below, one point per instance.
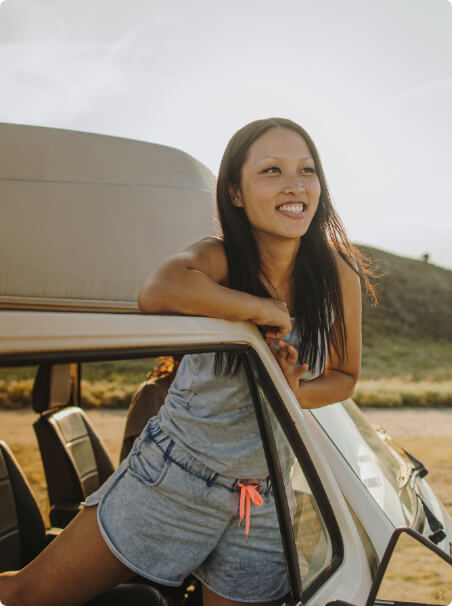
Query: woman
283,254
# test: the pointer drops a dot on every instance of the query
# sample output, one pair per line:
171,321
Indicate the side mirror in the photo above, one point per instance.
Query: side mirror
413,571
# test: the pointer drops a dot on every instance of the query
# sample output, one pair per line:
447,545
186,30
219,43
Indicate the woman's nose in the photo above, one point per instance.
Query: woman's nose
294,185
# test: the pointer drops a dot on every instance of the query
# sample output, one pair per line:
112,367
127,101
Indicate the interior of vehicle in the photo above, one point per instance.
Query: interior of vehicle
76,462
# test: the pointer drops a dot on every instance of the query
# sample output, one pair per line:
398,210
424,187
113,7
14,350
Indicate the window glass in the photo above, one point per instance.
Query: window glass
16,383
384,472
112,383
312,539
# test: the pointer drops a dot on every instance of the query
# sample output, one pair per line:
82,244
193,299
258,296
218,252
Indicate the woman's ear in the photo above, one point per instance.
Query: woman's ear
234,194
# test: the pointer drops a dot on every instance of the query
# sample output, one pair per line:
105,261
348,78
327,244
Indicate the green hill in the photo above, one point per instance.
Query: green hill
409,332
415,298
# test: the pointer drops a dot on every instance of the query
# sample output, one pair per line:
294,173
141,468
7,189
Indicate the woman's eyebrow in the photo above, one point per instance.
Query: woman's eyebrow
276,157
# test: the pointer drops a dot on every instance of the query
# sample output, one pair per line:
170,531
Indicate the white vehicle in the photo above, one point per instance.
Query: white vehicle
83,218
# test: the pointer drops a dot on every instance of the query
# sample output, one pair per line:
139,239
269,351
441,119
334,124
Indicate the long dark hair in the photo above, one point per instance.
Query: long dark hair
316,286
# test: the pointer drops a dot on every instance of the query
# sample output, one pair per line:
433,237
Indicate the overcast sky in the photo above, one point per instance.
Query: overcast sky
370,80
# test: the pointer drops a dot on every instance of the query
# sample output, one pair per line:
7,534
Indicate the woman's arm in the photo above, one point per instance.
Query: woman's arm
339,378
194,282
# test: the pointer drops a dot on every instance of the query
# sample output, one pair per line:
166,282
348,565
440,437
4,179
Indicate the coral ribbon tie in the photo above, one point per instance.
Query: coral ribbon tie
248,493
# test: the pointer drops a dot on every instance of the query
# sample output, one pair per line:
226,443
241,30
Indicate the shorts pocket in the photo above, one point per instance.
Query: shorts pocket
150,469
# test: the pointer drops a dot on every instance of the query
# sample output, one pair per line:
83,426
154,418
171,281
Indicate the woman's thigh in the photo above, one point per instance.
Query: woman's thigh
75,567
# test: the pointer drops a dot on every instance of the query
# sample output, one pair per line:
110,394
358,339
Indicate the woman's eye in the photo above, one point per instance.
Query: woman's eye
308,170
271,169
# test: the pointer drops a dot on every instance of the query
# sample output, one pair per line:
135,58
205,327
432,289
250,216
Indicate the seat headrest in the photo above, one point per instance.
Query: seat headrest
52,387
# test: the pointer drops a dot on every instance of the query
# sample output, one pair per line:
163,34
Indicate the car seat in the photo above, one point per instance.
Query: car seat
23,535
75,460
22,531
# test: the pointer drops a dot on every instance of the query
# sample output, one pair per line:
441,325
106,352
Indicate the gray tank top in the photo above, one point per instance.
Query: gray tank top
212,416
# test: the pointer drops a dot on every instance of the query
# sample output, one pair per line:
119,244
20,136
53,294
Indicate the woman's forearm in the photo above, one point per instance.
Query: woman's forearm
192,292
332,386
178,289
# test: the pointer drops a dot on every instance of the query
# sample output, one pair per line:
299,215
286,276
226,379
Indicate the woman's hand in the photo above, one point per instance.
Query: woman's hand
287,358
337,381
273,317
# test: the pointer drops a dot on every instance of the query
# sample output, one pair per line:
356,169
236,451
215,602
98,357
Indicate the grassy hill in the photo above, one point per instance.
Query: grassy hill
415,298
409,333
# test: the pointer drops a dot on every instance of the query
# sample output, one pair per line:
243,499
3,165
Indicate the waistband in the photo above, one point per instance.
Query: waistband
177,454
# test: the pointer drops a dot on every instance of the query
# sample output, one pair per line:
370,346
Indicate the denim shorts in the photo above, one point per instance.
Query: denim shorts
166,515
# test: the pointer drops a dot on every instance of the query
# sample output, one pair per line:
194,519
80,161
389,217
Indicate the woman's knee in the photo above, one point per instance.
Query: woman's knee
10,589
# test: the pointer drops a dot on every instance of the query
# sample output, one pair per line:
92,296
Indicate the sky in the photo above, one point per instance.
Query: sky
370,80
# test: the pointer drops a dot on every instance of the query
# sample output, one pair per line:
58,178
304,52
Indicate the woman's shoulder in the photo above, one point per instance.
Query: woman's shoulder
209,255
345,261
347,268
209,245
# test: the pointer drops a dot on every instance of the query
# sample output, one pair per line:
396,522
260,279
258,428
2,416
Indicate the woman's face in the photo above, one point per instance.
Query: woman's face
279,189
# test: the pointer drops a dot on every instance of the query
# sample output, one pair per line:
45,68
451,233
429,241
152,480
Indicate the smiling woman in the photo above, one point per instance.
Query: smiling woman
301,257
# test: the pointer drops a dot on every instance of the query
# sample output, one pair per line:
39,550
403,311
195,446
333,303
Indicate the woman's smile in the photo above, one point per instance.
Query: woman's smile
293,210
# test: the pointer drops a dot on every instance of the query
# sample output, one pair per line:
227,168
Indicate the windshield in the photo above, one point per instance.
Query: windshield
383,471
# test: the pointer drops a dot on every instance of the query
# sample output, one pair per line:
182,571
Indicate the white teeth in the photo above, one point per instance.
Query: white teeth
296,208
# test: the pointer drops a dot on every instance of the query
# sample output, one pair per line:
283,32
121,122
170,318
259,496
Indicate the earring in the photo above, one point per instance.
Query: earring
237,202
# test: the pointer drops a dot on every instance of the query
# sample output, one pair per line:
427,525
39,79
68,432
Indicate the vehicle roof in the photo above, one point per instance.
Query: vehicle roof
85,217
41,331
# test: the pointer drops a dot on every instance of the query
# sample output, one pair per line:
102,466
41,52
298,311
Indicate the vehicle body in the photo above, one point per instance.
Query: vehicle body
68,290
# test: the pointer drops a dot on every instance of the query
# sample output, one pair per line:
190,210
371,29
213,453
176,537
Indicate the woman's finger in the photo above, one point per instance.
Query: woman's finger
271,344
302,369
273,332
283,349
292,355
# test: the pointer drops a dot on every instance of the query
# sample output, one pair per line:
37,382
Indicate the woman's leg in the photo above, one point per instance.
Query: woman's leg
210,598
75,567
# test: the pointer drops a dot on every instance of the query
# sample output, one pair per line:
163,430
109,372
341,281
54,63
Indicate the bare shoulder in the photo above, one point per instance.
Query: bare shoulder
208,256
210,245
348,269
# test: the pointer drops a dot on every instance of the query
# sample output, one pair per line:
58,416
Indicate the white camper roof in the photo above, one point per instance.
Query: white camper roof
85,217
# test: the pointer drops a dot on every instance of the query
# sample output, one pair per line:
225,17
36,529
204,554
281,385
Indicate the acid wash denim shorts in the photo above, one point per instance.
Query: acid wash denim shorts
166,515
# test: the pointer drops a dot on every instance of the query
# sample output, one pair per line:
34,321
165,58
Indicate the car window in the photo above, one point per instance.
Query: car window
16,383
317,540
112,383
312,539
382,470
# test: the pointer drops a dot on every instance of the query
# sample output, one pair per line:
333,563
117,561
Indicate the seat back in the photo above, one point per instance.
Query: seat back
22,531
75,461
